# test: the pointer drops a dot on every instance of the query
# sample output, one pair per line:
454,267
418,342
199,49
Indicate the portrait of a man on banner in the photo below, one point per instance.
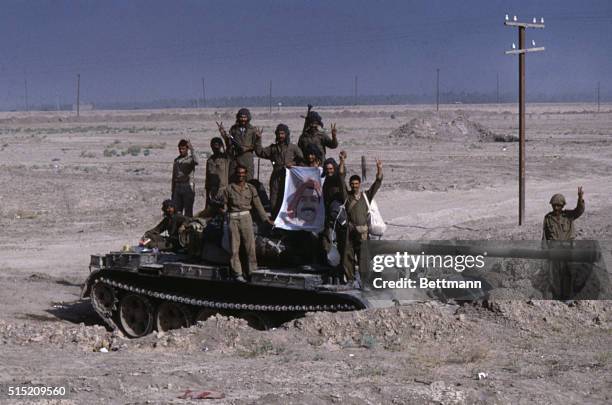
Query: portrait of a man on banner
302,208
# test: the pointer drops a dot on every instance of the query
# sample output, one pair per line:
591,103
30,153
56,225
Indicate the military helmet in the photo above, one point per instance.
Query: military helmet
243,111
557,199
314,116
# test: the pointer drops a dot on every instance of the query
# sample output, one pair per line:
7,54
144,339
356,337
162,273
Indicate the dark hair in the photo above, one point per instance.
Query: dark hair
355,177
182,142
216,139
314,116
330,161
284,128
311,149
168,203
243,111
239,166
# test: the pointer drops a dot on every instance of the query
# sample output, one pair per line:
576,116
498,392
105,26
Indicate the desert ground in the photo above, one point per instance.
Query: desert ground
72,187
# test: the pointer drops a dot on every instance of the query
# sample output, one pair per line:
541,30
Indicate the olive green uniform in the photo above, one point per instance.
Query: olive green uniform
319,139
239,201
241,146
183,187
170,224
562,228
564,278
281,156
217,175
357,216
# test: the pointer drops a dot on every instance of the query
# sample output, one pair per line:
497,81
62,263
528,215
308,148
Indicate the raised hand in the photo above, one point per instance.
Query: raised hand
334,131
342,155
258,132
379,165
220,127
580,193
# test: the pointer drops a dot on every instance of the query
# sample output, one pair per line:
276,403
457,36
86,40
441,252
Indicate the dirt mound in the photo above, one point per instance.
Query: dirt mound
447,126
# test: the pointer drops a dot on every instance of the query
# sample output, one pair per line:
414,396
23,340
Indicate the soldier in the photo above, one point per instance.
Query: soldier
217,169
314,135
240,197
240,142
183,187
283,154
334,196
171,223
357,216
559,223
564,279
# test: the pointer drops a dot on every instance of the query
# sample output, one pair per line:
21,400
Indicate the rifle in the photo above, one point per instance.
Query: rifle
306,118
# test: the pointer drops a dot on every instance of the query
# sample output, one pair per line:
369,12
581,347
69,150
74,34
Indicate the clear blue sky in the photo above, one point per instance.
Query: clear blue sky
145,50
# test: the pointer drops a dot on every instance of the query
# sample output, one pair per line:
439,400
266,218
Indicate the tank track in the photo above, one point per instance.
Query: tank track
222,304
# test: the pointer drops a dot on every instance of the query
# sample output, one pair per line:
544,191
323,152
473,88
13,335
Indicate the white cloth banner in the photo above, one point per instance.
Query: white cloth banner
302,208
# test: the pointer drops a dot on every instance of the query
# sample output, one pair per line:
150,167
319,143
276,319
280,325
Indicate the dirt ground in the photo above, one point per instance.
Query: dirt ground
73,187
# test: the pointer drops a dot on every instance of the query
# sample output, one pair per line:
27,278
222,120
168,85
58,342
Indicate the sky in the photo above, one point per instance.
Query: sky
128,51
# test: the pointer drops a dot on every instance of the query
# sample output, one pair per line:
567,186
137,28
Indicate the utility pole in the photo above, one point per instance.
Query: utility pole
25,85
78,93
497,87
438,89
597,96
203,93
521,51
270,98
355,91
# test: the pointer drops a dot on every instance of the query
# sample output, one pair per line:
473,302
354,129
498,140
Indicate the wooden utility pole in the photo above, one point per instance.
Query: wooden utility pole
438,89
597,96
78,93
270,98
521,51
497,87
203,93
25,85
364,173
355,91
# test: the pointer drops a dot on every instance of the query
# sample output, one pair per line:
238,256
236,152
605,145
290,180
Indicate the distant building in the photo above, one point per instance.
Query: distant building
83,107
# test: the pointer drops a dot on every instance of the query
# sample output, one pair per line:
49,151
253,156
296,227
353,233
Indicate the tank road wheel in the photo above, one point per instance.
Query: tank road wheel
136,315
204,313
103,298
171,315
256,320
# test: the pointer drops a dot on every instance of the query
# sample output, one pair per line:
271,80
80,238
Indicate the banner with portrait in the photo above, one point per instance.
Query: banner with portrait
303,208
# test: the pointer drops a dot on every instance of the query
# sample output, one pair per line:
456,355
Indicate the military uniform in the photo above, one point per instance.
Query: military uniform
183,187
357,216
281,155
239,201
217,175
319,139
562,228
241,146
170,224
334,196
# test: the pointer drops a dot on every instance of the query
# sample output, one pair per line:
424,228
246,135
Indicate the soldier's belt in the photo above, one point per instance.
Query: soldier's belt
239,214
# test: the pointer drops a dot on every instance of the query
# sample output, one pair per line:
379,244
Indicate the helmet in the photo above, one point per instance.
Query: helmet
285,128
243,111
557,199
314,116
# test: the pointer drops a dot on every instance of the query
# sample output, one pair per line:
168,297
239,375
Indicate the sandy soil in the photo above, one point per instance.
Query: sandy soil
66,196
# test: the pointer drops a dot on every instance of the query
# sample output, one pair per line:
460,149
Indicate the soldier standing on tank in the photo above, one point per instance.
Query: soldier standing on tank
183,187
283,154
239,198
357,218
559,223
313,134
564,278
240,142
171,223
217,169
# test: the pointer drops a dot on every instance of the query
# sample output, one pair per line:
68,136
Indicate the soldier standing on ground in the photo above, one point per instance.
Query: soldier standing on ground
564,279
240,142
217,169
283,154
559,223
314,135
183,187
240,197
357,215
171,223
